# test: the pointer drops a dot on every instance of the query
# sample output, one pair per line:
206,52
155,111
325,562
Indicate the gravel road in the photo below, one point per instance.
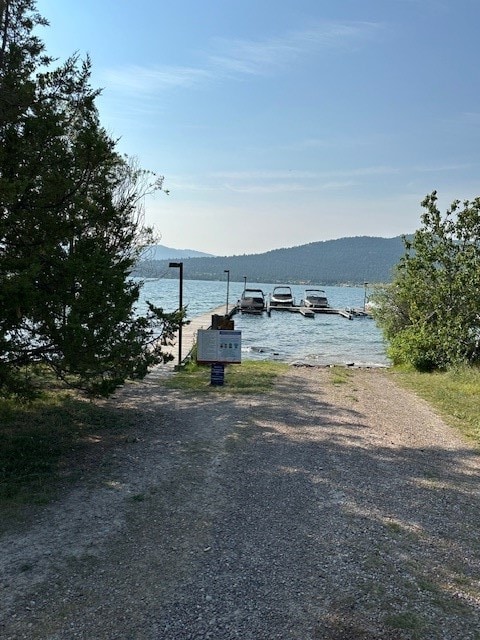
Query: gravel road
320,511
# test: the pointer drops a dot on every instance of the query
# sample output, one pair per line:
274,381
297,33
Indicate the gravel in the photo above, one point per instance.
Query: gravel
319,511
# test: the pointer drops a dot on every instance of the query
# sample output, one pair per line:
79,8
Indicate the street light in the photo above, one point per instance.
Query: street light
365,285
227,271
244,283
179,265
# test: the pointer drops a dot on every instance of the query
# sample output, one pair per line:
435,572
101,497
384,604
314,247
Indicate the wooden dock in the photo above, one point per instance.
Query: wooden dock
310,312
306,312
189,332
204,321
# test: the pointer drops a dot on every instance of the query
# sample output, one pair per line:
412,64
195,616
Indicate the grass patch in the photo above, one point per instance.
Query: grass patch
394,527
405,620
40,442
248,377
138,497
454,394
339,375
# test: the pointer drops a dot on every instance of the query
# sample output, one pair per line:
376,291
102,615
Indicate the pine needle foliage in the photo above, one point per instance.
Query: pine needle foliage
71,225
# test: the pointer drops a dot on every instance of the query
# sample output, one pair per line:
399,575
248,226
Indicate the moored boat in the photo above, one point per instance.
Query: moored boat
370,307
252,301
282,297
315,299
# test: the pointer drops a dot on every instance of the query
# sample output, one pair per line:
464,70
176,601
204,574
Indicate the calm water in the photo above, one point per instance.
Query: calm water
325,339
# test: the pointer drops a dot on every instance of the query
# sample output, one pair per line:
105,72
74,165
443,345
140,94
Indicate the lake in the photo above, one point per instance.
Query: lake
289,337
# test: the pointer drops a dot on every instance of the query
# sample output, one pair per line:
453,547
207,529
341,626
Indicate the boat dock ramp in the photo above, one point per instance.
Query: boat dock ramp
254,301
306,312
309,312
208,320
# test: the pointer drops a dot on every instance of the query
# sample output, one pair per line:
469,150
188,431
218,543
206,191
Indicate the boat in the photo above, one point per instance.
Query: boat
370,307
252,301
315,299
282,297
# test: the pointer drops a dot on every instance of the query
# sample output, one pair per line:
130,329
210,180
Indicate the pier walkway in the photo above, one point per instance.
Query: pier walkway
189,332
309,312
204,321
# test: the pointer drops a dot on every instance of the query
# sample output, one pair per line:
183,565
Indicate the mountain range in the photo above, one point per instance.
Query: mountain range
161,252
353,260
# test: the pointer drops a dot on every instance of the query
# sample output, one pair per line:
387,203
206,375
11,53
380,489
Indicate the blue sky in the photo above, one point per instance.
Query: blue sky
282,122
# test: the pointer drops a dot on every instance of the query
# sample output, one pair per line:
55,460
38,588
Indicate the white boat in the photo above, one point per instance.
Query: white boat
315,299
370,307
252,301
282,297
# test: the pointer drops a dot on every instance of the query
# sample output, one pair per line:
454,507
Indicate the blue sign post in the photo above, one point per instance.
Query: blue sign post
217,375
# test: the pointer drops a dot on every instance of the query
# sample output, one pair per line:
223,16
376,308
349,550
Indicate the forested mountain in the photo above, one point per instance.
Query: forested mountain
347,260
161,252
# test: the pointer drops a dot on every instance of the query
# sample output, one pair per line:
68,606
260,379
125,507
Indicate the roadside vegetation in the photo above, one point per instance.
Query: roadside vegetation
55,438
50,442
454,394
430,314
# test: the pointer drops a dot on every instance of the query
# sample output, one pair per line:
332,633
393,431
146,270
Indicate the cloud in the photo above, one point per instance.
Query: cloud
263,175
344,141
306,175
240,57
269,188
434,168
135,78
277,181
295,181
262,56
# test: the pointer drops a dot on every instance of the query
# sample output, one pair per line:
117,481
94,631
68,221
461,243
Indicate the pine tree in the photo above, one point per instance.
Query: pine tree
71,224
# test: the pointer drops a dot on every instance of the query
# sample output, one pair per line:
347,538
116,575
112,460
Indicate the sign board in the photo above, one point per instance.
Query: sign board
219,345
217,375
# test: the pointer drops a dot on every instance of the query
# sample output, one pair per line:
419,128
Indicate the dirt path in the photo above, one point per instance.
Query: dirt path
322,511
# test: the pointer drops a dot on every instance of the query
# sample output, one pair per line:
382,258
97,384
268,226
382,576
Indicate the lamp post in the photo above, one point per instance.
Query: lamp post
365,284
227,271
179,265
244,283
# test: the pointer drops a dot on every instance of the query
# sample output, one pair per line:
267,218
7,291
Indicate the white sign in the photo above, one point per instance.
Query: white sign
219,345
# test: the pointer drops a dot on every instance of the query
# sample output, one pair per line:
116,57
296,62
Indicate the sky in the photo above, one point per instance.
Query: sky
276,123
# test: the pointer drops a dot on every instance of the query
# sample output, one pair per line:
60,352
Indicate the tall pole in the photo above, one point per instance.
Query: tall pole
244,282
365,284
227,271
179,265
